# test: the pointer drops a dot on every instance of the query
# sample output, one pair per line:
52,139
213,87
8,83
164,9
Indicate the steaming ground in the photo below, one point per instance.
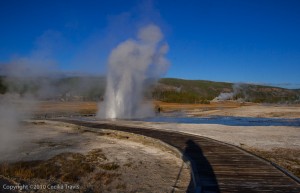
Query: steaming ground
105,162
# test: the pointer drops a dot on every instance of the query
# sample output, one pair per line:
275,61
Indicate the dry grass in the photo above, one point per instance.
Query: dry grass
24,173
95,156
121,186
91,107
213,105
109,166
20,169
105,177
67,107
66,167
129,164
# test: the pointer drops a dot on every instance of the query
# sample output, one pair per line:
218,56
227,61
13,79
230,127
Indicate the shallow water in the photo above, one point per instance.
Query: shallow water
224,120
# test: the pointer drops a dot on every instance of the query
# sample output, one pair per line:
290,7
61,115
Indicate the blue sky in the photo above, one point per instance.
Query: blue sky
255,41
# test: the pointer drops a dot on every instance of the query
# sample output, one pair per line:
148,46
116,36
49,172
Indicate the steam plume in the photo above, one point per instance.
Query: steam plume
129,65
237,89
19,102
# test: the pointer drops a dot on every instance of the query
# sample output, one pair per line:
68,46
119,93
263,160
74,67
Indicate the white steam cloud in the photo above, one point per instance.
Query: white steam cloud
18,103
13,110
237,89
130,64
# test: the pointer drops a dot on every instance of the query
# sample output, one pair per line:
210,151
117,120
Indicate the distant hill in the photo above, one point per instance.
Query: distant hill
166,89
56,88
202,91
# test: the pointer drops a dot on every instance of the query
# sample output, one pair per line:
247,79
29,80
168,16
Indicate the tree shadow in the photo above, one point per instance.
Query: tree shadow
203,176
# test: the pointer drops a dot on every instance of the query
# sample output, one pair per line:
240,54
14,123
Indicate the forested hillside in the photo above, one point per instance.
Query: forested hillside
166,89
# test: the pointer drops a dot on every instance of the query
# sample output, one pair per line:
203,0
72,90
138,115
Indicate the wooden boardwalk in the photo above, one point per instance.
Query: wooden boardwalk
217,167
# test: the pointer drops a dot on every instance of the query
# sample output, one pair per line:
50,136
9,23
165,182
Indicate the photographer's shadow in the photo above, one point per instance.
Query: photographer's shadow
203,176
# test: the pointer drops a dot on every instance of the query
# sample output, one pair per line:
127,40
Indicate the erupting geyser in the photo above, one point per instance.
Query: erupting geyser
129,65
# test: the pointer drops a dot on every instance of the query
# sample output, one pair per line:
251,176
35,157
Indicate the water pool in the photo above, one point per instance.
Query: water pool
225,120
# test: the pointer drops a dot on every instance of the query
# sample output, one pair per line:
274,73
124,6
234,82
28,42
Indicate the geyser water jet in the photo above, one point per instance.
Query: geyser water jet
130,64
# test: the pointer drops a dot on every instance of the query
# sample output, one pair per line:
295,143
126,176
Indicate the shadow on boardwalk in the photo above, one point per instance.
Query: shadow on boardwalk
203,174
